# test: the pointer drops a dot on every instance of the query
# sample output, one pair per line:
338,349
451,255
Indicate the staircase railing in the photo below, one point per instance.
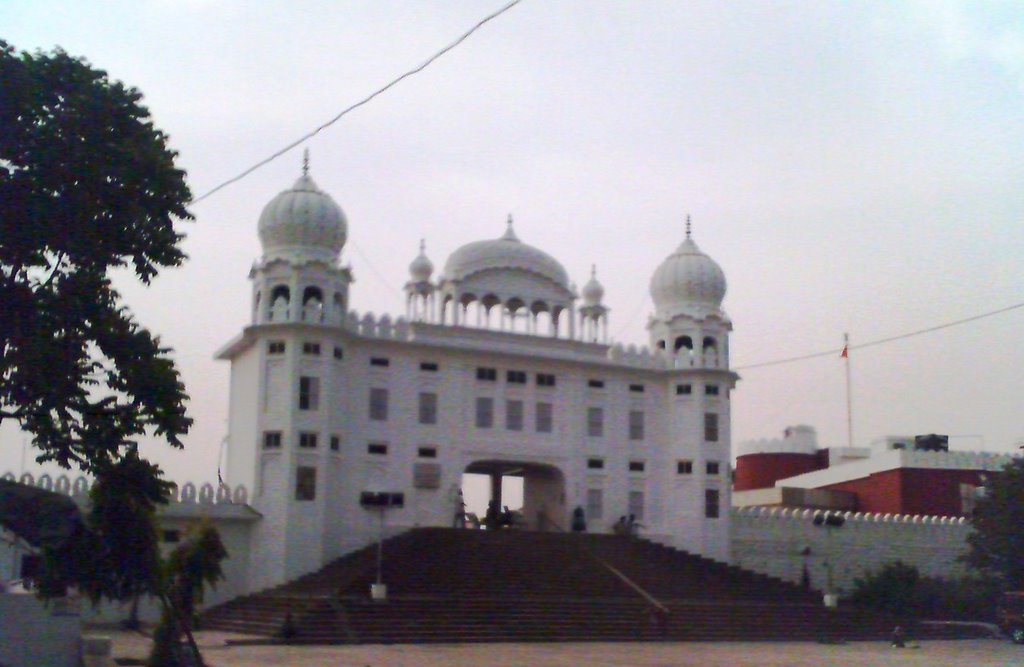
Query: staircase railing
644,593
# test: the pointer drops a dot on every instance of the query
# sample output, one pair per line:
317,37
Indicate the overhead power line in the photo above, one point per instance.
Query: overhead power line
360,103
836,351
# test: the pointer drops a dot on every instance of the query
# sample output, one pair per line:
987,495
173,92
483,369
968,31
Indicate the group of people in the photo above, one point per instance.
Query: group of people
627,525
494,519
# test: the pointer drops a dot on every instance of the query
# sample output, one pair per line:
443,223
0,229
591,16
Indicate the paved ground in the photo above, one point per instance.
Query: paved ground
962,653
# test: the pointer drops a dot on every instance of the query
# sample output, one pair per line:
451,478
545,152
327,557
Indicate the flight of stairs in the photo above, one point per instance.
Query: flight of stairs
447,585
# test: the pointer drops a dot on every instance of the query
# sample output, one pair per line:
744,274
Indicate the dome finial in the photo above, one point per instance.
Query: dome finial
689,227
593,270
305,162
423,246
510,234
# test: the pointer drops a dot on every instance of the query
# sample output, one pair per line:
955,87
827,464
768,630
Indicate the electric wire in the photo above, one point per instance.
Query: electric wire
358,104
881,341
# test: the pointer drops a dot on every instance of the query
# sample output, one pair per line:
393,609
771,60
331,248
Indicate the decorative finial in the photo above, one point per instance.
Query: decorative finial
509,221
305,162
688,226
593,270
423,246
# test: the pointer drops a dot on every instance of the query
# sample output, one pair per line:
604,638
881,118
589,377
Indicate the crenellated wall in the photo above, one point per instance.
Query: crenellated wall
770,540
189,493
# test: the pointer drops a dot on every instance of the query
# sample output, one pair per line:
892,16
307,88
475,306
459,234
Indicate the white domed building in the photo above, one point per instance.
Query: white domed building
499,366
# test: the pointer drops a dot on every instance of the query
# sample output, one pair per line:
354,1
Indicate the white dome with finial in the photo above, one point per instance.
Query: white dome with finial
688,281
593,291
421,268
507,252
303,223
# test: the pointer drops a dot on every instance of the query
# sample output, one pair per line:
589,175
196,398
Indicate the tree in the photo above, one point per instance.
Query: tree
997,539
87,185
116,556
193,564
892,589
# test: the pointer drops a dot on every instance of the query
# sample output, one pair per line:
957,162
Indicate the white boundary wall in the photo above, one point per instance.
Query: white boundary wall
770,540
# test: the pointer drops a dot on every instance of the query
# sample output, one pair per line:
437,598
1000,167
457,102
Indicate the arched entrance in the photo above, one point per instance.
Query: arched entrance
540,486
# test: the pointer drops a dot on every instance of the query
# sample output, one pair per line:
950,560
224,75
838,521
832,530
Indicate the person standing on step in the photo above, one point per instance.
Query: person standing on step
460,511
579,520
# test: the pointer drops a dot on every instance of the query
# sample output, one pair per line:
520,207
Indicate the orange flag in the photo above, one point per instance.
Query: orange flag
844,354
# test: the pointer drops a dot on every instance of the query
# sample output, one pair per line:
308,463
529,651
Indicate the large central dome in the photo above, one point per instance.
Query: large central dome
507,252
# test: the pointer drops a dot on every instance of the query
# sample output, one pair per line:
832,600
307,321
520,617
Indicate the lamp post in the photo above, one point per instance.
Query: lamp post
829,521
380,502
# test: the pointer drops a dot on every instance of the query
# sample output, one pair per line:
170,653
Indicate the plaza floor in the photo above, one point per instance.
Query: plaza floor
971,653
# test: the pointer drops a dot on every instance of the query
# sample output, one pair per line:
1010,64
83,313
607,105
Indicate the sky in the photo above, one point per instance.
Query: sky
853,167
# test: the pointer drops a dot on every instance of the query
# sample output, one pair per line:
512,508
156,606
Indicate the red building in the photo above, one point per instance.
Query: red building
897,475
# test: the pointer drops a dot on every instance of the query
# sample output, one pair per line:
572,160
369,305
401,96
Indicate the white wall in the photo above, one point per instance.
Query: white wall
769,540
35,635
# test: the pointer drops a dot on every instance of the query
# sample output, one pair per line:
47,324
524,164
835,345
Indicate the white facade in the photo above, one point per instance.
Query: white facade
495,369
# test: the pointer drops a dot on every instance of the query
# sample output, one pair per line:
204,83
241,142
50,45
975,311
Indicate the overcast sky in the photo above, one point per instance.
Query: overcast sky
853,167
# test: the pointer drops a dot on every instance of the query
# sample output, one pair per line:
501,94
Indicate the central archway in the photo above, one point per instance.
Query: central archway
543,489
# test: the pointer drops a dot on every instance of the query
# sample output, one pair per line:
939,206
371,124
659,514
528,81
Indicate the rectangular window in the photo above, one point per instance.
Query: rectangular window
544,418
636,505
711,390
380,361
514,415
312,349
636,425
305,483
595,464
307,440
711,467
484,412
515,377
272,440
335,443
684,467
595,422
595,504
636,388
427,452
486,374
339,353
428,407
545,380
377,449
711,503
309,393
710,427
595,384
378,404
684,389
636,466
428,366
275,347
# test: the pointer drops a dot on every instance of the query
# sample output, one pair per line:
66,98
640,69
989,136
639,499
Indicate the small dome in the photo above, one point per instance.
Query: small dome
688,281
303,223
507,252
593,291
421,267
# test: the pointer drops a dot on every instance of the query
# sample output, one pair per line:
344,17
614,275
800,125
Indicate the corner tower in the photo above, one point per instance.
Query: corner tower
288,381
693,330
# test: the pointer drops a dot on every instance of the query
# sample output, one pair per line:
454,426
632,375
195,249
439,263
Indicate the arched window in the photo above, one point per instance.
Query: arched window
280,297
312,305
684,341
311,293
709,343
661,345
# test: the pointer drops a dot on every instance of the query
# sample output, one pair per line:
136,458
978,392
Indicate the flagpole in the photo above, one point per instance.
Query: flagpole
849,408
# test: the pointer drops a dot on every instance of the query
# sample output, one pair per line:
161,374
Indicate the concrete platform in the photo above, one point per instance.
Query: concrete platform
974,652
